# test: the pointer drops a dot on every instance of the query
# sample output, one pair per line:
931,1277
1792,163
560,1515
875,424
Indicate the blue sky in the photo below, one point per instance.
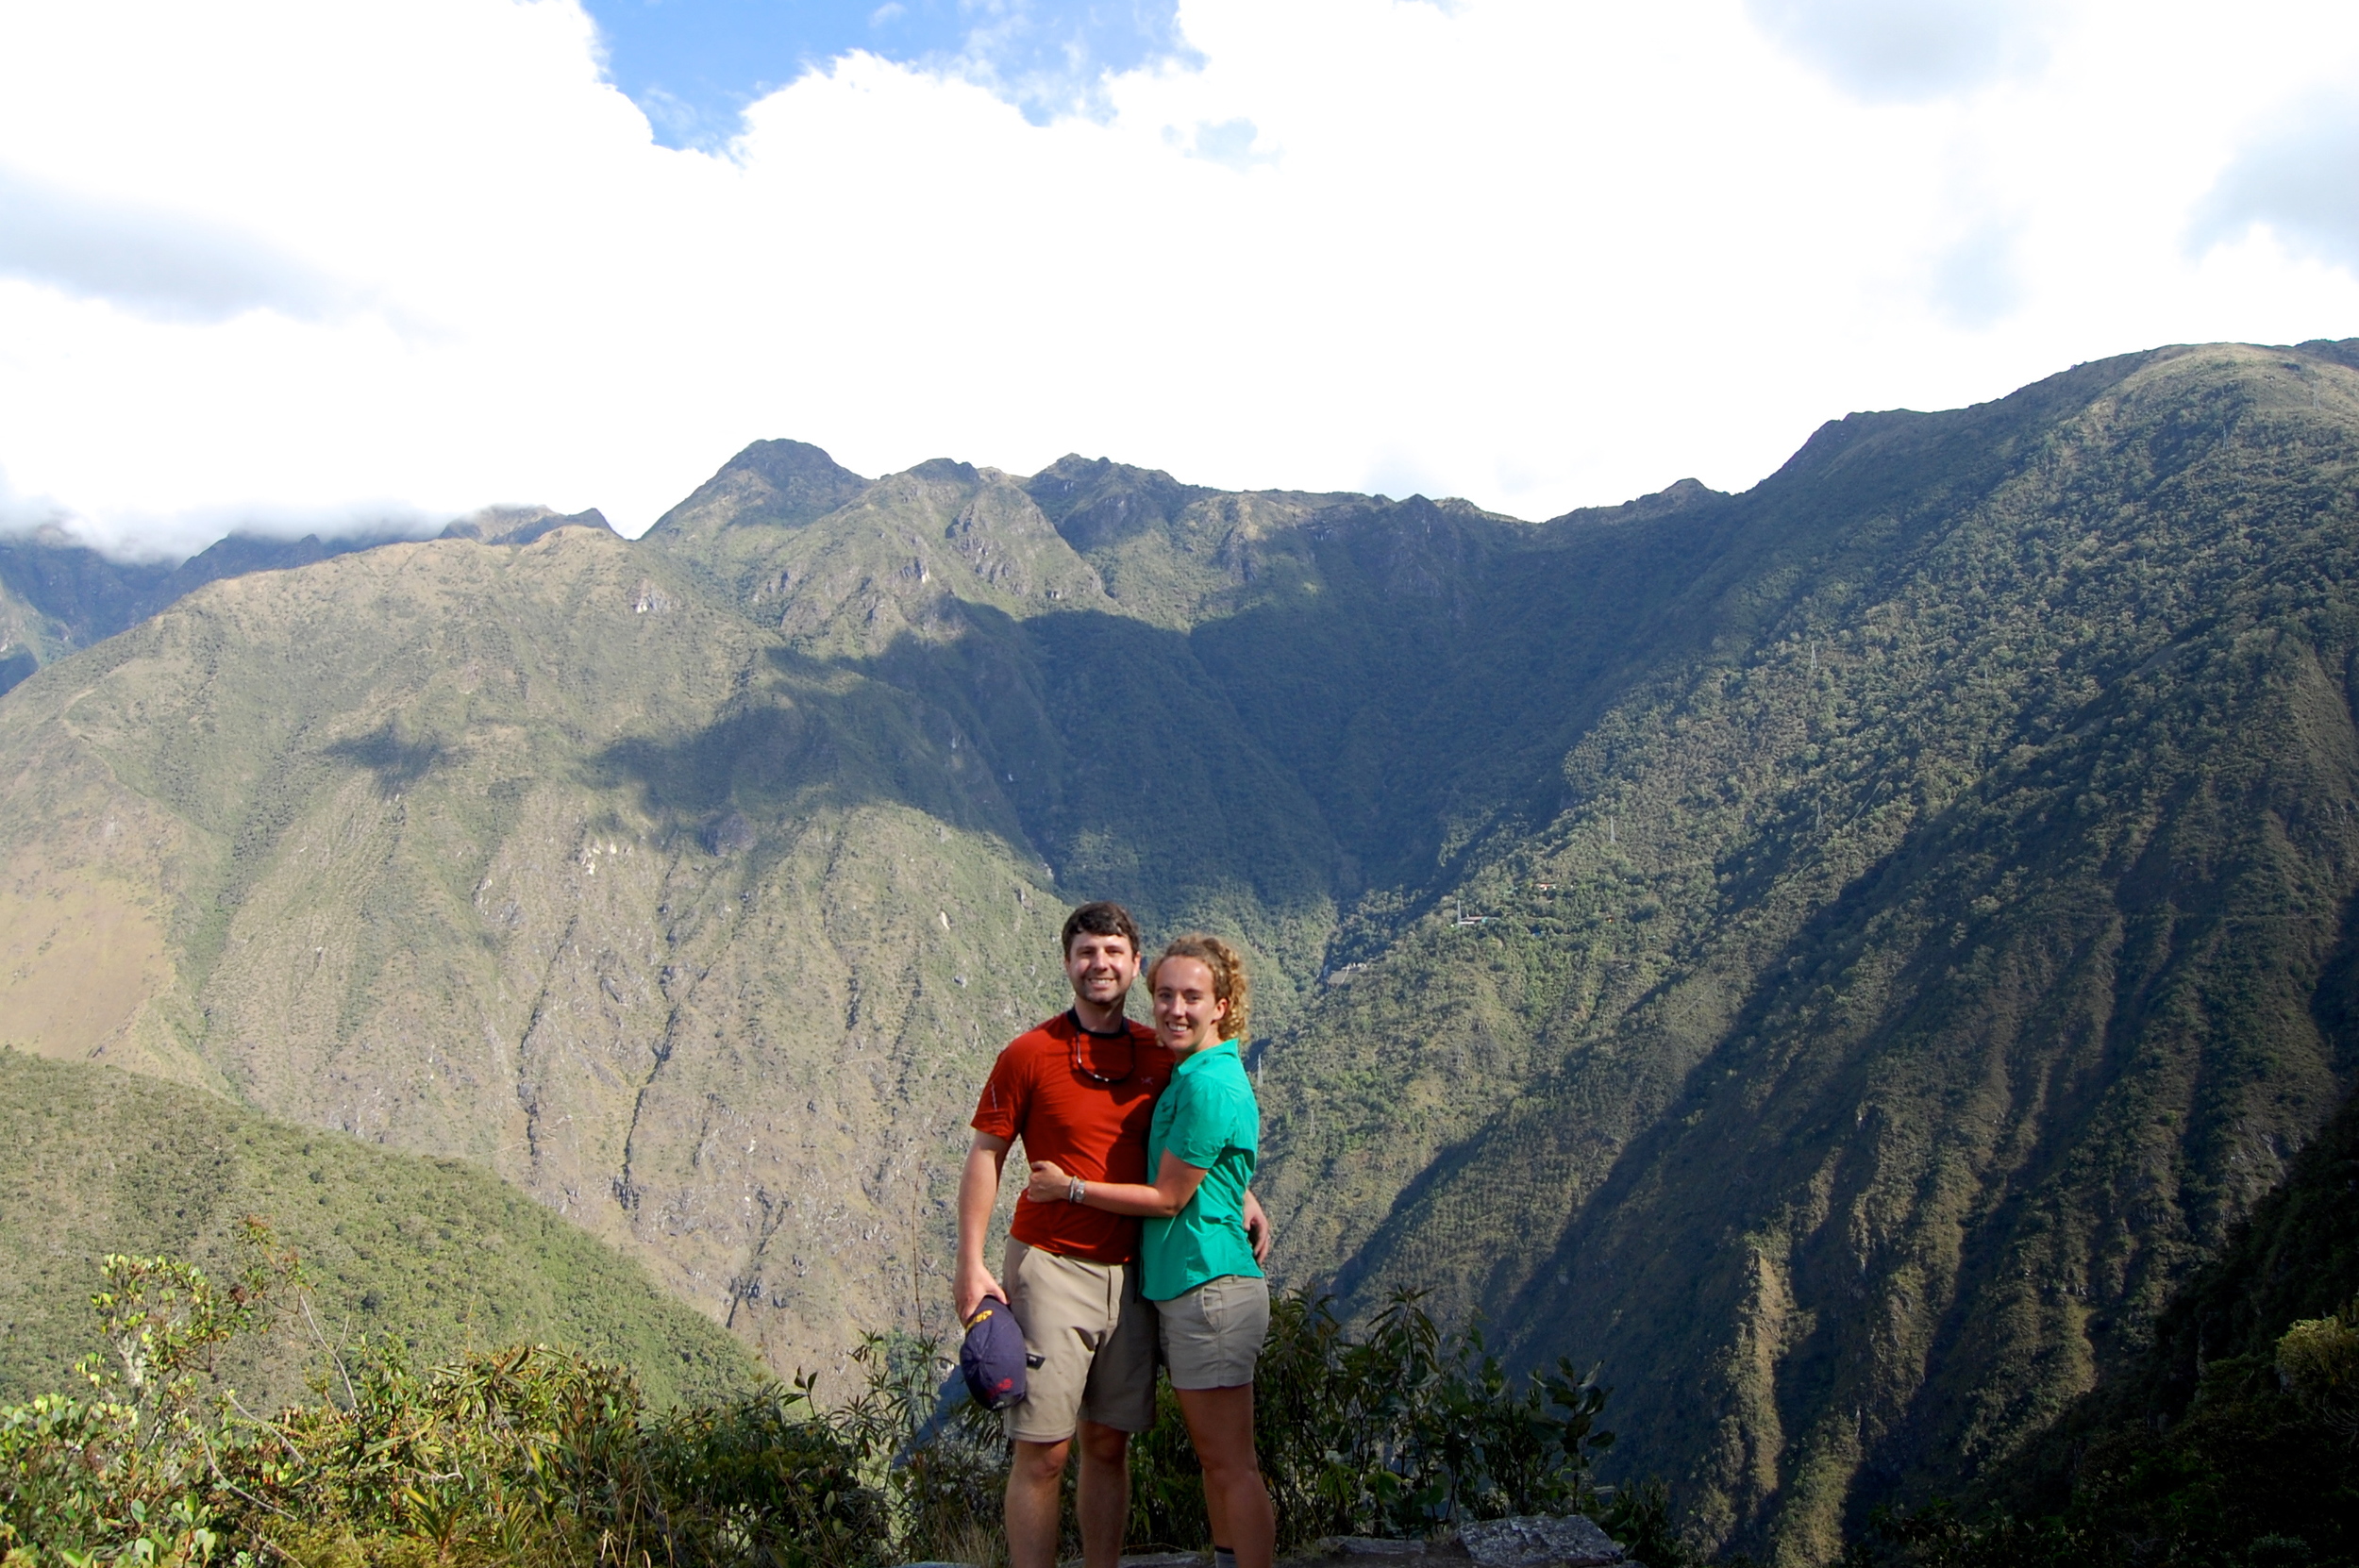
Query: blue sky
693,65
294,265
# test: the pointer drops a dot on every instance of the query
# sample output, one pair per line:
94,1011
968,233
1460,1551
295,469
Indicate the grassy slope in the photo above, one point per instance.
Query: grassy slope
437,1255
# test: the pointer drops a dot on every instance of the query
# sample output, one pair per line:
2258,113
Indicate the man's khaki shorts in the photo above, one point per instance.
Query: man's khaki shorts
1212,1335
1089,1344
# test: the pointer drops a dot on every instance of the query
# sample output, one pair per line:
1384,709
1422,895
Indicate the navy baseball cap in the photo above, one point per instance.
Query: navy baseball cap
992,1356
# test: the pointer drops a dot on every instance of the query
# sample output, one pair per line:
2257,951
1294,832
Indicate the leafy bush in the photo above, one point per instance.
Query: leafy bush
526,1456
534,1456
1394,1434
2318,1360
127,1470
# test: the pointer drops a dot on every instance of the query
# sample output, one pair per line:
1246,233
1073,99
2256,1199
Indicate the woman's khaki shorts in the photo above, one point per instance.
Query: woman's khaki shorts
1212,1335
1089,1339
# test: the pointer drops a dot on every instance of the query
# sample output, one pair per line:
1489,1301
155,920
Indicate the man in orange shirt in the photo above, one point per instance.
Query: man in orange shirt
1080,1089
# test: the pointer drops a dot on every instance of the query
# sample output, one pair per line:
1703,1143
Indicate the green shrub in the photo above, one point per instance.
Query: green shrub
521,1456
2318,1360
1399,1432
533,1456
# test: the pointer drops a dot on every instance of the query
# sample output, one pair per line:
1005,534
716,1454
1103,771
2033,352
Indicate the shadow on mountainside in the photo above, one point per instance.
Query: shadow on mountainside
1265,767
399,764
809,737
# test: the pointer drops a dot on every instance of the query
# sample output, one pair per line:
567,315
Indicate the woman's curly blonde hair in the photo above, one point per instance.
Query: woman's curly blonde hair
1229,981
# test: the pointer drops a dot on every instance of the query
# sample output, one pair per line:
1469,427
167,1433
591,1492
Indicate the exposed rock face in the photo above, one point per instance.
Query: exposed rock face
1539,1541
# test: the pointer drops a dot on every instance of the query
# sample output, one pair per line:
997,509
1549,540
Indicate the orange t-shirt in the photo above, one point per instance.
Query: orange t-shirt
1096,1132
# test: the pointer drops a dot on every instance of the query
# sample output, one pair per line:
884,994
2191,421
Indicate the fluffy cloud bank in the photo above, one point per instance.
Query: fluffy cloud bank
299,263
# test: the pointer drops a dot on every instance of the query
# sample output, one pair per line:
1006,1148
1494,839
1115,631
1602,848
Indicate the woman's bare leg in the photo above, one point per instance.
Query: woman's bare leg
1220,1424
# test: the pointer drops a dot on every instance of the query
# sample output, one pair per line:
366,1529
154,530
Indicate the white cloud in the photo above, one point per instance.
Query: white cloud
23,514
1903,50
1977,280
1539,253
150,261
1231,143
2299,178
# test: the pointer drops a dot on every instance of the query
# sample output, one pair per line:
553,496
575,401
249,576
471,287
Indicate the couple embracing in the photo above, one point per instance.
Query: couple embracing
1136,1240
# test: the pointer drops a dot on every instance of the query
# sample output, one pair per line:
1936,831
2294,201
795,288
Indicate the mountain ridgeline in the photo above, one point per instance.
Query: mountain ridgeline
1838,954
57,595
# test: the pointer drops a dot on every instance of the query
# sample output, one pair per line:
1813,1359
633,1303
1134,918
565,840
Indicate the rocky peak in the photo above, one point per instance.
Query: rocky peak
1096,502
1677,496
774,483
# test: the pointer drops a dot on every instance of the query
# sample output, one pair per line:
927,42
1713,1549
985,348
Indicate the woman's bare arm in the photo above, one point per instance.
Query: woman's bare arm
1175,1184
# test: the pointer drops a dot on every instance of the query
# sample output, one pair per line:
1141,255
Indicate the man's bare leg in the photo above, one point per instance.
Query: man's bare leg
1103,1501
1035,1477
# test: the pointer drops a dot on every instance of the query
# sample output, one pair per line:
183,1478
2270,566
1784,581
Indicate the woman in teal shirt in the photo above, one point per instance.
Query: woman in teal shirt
1196,1259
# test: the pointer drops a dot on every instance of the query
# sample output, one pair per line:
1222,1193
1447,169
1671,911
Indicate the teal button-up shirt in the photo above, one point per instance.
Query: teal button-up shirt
1210,1119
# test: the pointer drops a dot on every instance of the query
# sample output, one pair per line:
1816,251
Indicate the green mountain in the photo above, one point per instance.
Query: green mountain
57,595
1919,967
433,1255
1838,954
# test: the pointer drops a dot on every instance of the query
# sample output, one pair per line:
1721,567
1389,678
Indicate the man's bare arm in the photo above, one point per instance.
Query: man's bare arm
1175,1184
1257,1226
979,1190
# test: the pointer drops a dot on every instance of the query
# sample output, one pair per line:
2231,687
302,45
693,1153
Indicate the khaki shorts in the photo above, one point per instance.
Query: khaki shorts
1090,1342
1212,1335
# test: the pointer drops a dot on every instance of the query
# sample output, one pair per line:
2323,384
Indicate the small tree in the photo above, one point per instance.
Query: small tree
125,1472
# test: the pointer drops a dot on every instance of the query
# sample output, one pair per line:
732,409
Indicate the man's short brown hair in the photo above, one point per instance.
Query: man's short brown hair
1103,918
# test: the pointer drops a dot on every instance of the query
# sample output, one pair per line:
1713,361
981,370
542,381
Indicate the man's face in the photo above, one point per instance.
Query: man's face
1100,968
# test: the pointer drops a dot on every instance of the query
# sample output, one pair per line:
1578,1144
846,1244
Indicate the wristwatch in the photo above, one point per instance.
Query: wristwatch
1076,1191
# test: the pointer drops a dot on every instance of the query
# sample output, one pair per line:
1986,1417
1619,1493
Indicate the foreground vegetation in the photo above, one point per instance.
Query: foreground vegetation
2232,1443
530,1455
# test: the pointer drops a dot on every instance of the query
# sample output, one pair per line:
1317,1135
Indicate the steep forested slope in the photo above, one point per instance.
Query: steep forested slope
2233,1437
432,1256
1838,953
1920,976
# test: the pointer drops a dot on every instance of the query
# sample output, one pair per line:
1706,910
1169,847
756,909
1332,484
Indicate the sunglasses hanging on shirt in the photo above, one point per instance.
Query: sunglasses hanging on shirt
1083,1068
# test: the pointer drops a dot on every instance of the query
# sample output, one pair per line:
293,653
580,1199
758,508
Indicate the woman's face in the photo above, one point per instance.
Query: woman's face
1187,1016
